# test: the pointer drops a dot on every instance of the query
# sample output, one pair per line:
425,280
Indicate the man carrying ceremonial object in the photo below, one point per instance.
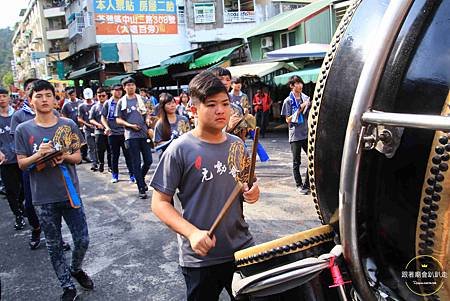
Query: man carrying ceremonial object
204,166
55,189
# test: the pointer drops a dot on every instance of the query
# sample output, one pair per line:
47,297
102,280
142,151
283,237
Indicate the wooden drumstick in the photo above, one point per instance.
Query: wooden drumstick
238,188
251,174
236,191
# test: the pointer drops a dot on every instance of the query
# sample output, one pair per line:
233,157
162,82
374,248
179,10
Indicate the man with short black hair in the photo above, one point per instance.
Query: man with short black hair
131,113
88,128
101,140
115,133
55,187
296,110
203,166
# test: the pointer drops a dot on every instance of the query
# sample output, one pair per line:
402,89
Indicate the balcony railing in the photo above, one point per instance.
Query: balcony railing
53,3
239,16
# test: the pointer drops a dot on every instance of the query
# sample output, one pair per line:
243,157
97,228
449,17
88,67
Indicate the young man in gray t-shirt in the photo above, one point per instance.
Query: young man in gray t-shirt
54,185
131,114
203,166
296,110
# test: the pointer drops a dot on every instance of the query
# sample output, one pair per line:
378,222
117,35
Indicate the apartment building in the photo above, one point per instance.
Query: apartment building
110,37
40,41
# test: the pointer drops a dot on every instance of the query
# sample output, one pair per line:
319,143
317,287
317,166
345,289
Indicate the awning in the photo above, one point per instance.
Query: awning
289,19
115,80
261,69
307,75
84,71
179,59
299,51
155,71
212,58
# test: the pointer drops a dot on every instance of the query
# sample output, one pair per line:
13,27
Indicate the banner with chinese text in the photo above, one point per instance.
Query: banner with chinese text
141,17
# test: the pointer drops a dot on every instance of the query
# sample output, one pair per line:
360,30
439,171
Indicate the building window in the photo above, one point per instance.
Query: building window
239,11
204,13
287,39
180,13
286,6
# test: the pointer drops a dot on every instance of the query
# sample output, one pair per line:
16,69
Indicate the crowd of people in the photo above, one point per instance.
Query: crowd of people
199,136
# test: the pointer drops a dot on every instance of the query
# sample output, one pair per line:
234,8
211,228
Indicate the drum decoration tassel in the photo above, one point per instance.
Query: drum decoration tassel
432,231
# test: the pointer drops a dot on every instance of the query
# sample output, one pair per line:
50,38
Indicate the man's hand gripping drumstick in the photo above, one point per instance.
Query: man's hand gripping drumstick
251,193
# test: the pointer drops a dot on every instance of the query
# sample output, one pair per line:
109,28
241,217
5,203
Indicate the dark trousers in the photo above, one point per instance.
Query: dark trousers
296,148
207,283
136,147
102,146
12,179
50,216
90,140
29,208
116,142
262,121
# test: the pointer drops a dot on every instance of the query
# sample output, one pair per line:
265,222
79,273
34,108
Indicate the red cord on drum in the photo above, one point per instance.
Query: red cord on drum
338,281
336,274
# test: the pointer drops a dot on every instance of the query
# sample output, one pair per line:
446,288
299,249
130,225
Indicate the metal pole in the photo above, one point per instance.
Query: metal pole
131,48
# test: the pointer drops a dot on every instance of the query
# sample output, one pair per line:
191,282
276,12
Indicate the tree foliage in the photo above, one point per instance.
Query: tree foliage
6,55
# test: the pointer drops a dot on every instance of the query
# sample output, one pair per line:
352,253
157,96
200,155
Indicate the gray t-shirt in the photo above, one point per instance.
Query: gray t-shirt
297,131
205,175
70,110
96,114
178,128
109,112
7,140
132,115
47,185
83,113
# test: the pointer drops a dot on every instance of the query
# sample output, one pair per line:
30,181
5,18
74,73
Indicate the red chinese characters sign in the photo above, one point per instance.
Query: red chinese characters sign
108,24
141,17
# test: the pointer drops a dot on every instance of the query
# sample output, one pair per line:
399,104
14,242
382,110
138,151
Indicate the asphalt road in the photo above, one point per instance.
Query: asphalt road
132,255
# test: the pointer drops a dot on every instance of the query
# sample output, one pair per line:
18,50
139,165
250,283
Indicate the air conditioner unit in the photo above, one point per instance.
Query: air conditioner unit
267,42
50,64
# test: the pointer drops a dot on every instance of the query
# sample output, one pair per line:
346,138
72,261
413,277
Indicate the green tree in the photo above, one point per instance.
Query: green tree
7,79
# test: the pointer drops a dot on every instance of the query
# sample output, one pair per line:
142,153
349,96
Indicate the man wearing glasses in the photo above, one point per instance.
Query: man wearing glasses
101,139
115,133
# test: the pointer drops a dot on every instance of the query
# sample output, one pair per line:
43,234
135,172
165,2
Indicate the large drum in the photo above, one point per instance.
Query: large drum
376,159
287,269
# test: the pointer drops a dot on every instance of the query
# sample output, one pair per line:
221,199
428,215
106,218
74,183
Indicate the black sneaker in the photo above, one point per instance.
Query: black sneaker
65,246
94,167
86,159
83,279
101,167
20,223
35,240
142,194
69,294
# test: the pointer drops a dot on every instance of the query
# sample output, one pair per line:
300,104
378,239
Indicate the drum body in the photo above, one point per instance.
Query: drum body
281,252
401,210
